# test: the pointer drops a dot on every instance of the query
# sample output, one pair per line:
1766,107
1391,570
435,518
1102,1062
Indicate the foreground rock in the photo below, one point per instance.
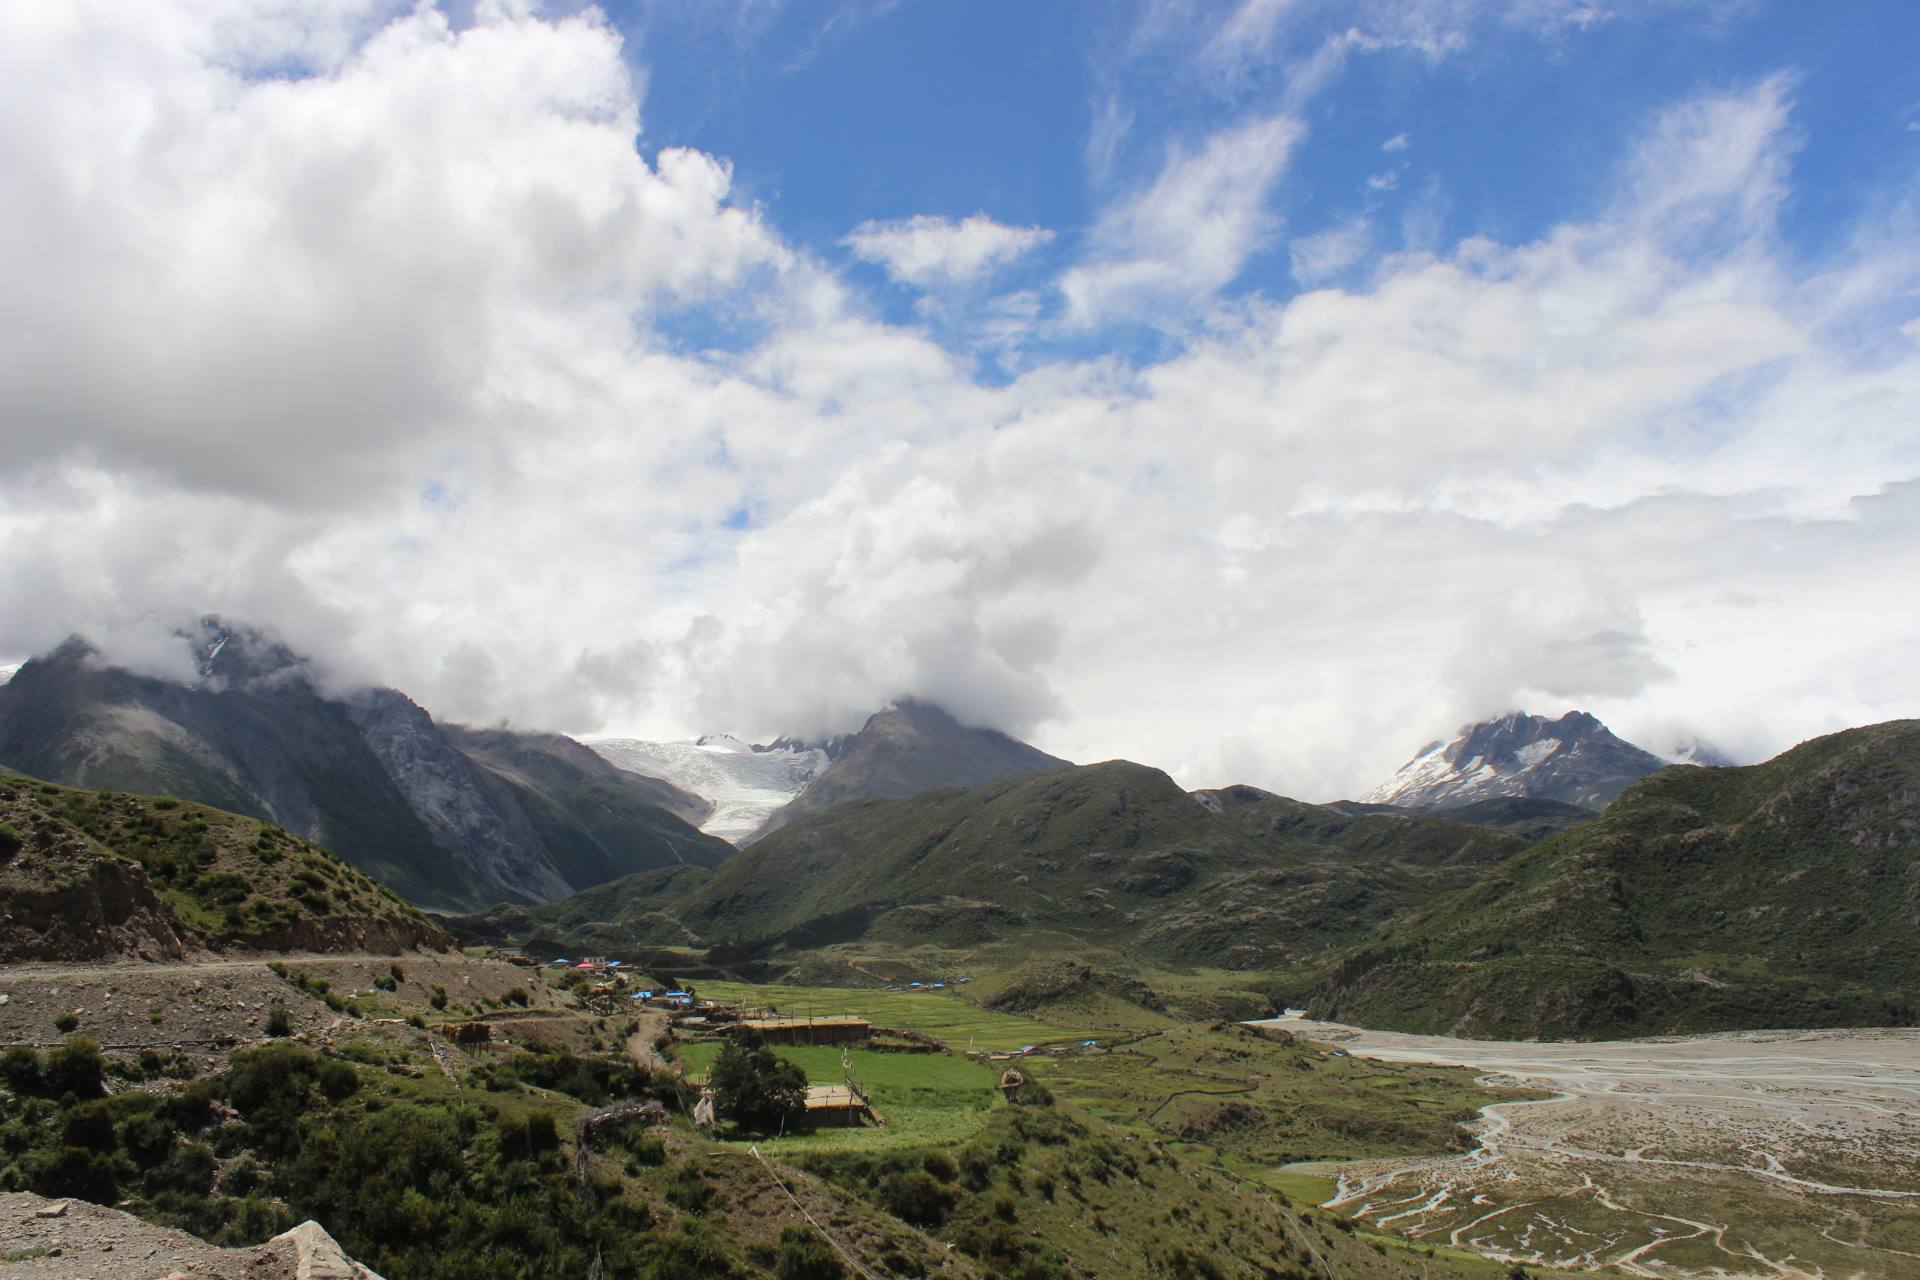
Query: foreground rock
75,1240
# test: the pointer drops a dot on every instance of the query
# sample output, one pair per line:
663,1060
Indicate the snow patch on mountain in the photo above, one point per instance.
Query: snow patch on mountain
1534,752
1696,752
1574,759
745,784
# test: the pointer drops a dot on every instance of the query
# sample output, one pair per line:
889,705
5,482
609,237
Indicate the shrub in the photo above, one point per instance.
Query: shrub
73,1171
20,1069
527,1138
66,1022
645,1148
279,1021
242,1176
805,1256
915,1197
76,1067
686,1189
10,841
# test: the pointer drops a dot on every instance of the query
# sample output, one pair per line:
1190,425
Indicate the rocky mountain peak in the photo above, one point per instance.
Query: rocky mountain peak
1574,759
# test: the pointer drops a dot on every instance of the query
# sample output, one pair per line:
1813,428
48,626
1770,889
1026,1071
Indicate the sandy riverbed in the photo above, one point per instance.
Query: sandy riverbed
1782,1153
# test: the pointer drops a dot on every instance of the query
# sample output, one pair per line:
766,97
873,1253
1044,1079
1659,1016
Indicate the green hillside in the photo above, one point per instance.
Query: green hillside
1784,894
1106,856
93,874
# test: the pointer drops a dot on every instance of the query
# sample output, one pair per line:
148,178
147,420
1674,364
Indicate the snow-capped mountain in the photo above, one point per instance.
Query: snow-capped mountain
1574,759
745,784
1692,750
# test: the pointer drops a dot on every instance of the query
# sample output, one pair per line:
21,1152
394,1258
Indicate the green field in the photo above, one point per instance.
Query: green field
1257,1100
924,1099
945,1014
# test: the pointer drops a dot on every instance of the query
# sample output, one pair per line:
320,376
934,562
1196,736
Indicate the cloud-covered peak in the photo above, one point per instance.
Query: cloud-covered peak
405,336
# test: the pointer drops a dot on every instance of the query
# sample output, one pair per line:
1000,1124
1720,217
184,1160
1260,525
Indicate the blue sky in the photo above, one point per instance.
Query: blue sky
836,114
1257,389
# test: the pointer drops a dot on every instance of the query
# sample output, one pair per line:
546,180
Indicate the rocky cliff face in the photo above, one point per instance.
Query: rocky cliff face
1575,760
458,803
369,775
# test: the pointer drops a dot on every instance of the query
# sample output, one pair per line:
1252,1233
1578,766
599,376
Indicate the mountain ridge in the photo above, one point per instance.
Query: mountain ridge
369,774
1575,760
1785,893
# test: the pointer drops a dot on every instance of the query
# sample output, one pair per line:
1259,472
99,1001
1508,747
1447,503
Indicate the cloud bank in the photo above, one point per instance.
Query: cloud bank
384,332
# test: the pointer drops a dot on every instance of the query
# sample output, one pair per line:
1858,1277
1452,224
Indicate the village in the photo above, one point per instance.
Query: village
688,1027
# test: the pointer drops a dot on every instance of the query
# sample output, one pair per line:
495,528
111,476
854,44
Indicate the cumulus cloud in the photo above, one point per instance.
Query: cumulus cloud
929,251
371,342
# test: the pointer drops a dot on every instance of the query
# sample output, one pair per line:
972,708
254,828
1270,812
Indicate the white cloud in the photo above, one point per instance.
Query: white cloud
381,353
1173,245
1325,254
1398,142
929,251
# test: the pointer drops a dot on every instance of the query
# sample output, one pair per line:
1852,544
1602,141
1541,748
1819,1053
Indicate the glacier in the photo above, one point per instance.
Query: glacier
744,784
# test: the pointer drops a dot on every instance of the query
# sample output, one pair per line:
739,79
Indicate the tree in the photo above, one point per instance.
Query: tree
755,1087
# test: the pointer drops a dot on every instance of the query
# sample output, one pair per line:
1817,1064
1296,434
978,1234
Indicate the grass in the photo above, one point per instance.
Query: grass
945,1014
925,1099
1256,1100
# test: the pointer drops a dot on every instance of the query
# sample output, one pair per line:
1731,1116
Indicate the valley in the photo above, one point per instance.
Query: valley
1790,1154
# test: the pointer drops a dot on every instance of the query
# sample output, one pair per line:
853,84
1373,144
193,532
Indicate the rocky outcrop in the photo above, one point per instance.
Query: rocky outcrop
74,1240
62,903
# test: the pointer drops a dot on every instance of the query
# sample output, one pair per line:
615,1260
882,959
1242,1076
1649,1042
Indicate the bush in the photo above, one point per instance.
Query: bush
805,1256
645,1148
279,1021
66,1022
20,1069
75,1172
915,1197
10,841
527,1138
686,1189
242,1176
76,1067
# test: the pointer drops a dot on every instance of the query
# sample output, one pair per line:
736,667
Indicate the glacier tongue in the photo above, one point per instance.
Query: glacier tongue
744,785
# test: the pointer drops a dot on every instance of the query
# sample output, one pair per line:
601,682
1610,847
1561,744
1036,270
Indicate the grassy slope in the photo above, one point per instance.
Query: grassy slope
1782,894
219,877
421,1177
1112,856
